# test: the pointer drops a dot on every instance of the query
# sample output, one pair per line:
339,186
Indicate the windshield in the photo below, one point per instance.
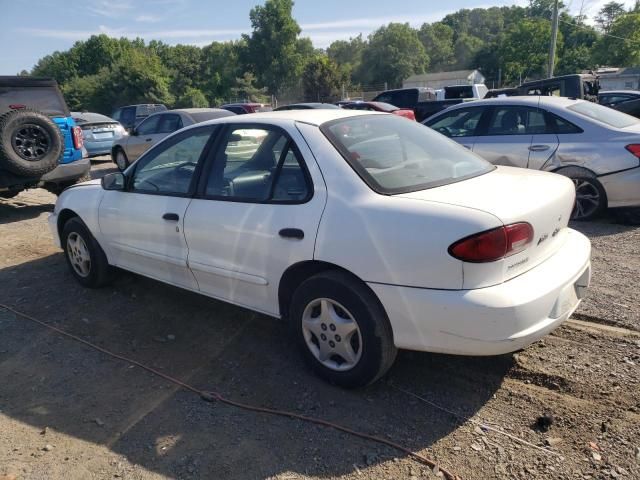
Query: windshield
394,155
603,114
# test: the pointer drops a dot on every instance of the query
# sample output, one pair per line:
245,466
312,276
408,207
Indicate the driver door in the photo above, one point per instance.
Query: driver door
143,226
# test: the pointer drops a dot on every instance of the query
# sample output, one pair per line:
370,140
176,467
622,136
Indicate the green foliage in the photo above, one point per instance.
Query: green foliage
608,14
394,53
622,47
437,39
273,51
321,80
192,98
246,89
524,52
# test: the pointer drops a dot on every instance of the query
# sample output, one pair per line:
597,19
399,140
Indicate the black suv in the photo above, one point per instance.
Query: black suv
40,144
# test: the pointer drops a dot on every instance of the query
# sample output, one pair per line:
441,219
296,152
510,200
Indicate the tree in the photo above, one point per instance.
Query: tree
437,39
394,53
272,48
321,80
608,14
544,8
524,51
245,88
622,46
219,69
192,98
61,66
465,50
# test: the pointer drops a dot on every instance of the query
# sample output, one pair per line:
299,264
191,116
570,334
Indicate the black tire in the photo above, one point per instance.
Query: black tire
100,273
591,198
122,166
58,188
377,348
30,143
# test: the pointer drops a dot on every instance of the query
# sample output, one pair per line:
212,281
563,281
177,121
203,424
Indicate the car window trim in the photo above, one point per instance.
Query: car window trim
172,141
477,132
550,118
213,155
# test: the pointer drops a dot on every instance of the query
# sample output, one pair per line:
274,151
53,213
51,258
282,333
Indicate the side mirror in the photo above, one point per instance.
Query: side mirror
113,181
132,131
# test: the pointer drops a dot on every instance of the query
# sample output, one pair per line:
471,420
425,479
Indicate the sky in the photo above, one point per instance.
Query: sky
31,29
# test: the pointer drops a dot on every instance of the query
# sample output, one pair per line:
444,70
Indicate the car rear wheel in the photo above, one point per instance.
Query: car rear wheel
342,329
121,160
591,198
86,259
30,143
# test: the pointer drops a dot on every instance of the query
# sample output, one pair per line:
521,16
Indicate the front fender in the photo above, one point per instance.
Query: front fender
82,201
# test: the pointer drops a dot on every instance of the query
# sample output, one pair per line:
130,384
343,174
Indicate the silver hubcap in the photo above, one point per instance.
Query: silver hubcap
332,335
120,161
587,199
78,254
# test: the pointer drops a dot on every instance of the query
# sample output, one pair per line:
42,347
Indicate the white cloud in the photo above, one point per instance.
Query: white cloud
149,18
119,32
109,8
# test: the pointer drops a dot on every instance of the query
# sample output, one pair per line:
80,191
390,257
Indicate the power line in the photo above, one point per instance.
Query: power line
584,27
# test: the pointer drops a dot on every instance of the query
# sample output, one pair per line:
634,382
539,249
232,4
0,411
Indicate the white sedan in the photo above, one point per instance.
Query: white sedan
367,232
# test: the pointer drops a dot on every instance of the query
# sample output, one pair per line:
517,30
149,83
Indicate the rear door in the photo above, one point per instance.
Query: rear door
258,211
508,135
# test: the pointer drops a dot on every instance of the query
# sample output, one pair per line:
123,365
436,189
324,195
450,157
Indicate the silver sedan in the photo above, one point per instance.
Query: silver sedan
154,128
596,146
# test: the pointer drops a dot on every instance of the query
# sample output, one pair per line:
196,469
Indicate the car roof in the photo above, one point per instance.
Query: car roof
189,111
244,104
317,105
311,116
525,100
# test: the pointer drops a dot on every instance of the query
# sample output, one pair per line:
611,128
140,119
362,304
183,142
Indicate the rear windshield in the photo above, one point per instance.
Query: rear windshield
394,155
603,114
463,91
47,100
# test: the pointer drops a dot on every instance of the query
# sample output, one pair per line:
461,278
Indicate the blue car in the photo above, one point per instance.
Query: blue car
98,132
40,143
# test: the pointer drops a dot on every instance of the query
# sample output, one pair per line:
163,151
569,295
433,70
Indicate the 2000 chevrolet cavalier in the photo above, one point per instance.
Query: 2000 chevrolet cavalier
367,232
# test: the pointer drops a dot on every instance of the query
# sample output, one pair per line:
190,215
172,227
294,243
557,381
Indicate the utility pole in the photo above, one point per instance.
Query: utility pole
554,38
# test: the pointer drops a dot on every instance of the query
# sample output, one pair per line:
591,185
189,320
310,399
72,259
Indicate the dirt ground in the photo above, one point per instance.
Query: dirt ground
69,412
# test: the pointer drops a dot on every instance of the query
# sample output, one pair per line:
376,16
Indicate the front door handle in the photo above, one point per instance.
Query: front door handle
539,148
174,217
148,139
291,233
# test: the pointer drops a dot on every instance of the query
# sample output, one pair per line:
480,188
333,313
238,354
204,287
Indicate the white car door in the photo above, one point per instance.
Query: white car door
143,225
256,213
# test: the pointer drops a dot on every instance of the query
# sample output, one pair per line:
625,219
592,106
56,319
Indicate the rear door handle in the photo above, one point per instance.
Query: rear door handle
291,233
539,148
148,139
174,217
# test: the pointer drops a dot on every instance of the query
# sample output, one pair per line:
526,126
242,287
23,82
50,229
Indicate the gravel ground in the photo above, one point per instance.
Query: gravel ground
70,412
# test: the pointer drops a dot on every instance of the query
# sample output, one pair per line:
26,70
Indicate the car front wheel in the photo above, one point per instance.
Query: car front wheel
342,329
85,257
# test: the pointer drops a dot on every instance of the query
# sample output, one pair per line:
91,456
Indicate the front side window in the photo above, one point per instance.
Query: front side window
257,165
168,168
149,126
394,156
458,123
517,121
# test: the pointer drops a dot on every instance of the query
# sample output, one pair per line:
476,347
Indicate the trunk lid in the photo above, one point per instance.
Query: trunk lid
544,200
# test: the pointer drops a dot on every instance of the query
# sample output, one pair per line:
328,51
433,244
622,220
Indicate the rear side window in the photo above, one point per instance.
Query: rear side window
169,123
517,121
257,165
561,126
394,156
43,99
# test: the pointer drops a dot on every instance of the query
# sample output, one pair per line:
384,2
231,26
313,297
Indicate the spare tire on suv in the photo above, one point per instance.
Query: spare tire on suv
30,143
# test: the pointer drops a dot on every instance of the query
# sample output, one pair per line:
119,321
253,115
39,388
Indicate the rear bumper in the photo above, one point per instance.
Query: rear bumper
623,188
493,320
68,171
95,148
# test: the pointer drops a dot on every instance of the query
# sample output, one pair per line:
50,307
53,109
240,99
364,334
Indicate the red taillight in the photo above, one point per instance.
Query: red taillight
17,106
493,244
77,137
634,148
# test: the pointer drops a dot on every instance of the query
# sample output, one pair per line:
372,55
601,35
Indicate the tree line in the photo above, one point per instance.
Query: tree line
508,44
